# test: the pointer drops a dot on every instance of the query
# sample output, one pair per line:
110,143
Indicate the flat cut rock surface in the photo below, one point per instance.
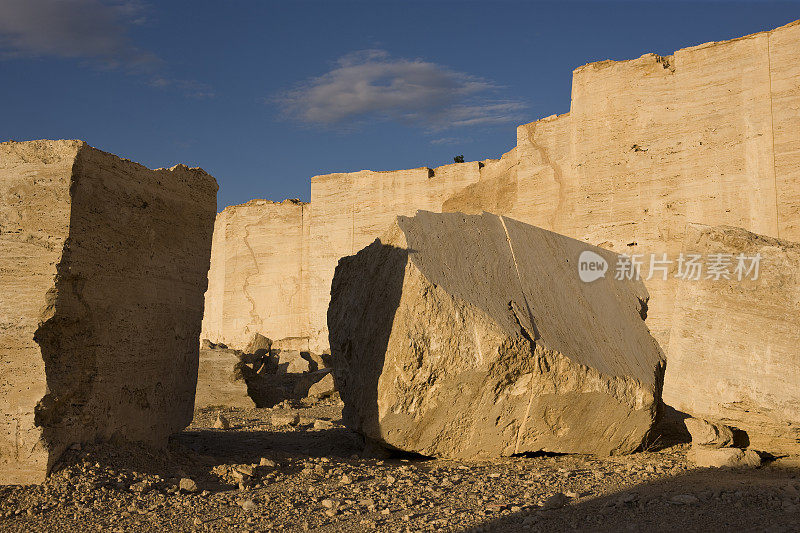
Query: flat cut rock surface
472,335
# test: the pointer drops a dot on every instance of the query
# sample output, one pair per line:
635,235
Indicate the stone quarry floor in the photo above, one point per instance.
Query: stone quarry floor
314,476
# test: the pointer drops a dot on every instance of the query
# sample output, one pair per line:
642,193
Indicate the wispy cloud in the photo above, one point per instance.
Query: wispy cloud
93,30
371,85
450,140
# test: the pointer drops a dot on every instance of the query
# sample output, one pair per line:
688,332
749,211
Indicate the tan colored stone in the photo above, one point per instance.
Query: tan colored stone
220,382
733,352
221,422
257,280
472,335
710,134
723,457
258,342
102,267
322,388
705,433
285,420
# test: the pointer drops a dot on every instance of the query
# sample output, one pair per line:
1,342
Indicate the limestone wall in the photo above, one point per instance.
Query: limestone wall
710,134
103,265
258,281
733,344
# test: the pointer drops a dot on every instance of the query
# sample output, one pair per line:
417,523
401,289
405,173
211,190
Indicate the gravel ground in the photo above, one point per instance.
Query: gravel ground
263,475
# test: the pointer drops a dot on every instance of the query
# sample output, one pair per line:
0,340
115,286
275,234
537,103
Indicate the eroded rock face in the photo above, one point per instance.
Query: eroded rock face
462,336
733,351
103,264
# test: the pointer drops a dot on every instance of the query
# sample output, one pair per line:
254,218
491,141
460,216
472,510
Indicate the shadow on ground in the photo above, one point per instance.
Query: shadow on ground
701,500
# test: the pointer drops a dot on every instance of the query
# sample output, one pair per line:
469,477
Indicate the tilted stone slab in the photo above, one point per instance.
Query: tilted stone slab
103,264
472,335
733,350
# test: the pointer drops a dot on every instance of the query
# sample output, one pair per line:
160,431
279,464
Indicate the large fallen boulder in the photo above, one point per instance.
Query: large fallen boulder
464,336
103,265
733,349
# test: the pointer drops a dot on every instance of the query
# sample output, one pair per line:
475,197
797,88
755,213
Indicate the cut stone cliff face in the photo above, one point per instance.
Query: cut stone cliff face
472,335
733,353
102,270
708,134
258,280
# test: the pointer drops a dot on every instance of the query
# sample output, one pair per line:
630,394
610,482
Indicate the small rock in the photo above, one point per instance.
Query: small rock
723,457
248,505
267,462
298,365
684,499
140,487
346,480
705,433
322,388
258,342
247,470
187,485
285,420
556,501
329,504
221,422
323,424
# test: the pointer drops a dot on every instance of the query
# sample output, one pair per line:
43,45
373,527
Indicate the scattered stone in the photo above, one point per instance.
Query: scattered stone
556,501
298,366
221,422
267,462
140,487
187,485
684,499
247,470
322,388
723,457
705,433
329,504
248,505
285,420
258,342
323,424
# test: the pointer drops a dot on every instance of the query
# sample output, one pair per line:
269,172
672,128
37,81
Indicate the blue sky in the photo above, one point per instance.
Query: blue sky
264,95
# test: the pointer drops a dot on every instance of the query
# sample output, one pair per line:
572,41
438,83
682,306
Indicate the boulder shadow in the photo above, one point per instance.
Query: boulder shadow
365,295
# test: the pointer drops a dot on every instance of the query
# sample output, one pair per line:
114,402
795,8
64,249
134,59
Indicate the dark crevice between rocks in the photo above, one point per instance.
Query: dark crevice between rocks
539,454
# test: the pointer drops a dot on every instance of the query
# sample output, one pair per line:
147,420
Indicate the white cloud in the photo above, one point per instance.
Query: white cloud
72,29
371,85
93,30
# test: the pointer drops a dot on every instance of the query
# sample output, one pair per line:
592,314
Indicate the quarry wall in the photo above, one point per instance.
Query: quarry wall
258,281
103,266
707,135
